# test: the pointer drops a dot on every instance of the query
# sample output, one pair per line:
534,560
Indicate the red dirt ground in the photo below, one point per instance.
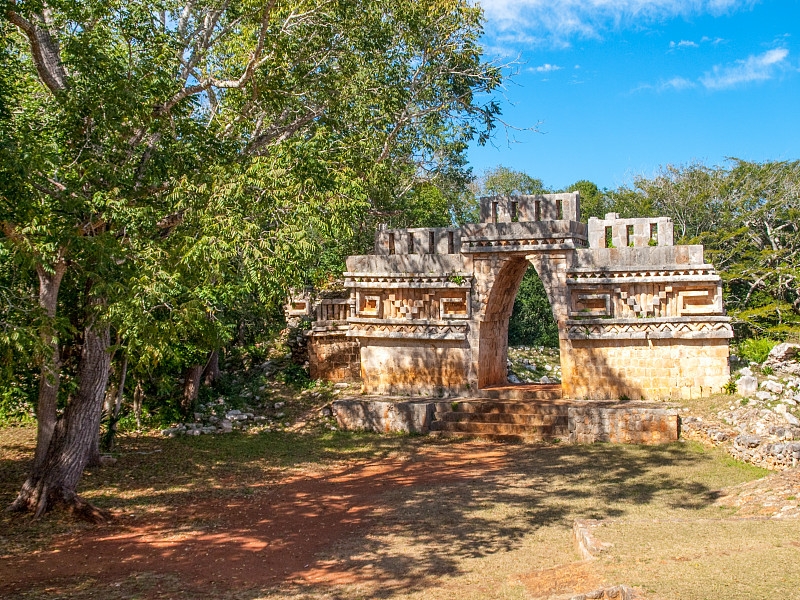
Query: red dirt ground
271,538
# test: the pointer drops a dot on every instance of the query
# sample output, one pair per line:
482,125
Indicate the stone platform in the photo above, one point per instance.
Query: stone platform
520,413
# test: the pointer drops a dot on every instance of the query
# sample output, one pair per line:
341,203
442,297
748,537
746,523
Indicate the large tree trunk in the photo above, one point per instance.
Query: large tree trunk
211,372
50,372
138,396
191,387
55,481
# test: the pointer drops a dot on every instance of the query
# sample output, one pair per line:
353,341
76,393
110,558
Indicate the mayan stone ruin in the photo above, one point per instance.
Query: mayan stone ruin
427,314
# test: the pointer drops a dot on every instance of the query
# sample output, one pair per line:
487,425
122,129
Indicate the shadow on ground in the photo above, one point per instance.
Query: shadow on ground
388,516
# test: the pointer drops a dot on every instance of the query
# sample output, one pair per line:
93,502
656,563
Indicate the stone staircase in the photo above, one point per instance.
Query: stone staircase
524,413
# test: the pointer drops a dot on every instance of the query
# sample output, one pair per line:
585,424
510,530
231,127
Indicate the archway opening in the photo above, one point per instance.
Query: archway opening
533,353
534,327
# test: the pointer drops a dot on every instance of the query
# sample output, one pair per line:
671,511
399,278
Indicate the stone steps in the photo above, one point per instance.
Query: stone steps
499,420
491,430
493,437
555,418
540,392
482,407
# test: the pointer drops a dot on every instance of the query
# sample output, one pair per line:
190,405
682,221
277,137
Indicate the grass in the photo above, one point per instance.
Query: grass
735,560
494,528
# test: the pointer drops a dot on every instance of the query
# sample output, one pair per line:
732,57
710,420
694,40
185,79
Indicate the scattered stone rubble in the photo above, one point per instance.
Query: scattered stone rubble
762,426
219,417
534,364
775,496
785,358
257,413
617,592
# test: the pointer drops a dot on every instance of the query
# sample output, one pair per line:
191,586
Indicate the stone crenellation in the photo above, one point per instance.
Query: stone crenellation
427,313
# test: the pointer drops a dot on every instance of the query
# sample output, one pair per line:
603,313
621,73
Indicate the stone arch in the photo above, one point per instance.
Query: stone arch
498,304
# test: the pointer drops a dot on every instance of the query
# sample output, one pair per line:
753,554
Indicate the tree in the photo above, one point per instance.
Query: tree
503,181
593,201
168,159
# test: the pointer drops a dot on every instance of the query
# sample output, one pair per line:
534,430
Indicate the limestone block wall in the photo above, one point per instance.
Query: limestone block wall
415,367
334,358
419,240
531,208
649,370
622,425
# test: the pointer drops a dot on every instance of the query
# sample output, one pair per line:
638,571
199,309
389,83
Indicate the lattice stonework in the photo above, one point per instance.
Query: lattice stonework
410,304
644,329
645,300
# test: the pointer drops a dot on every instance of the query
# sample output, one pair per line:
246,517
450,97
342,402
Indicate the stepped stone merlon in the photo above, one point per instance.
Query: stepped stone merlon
613,232
420,240
531,208
429,311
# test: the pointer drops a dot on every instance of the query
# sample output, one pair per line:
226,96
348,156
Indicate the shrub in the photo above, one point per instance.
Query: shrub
756,350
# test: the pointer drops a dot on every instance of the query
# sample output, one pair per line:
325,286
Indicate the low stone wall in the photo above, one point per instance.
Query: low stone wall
334,358
644,369
634,425
776,456
383,416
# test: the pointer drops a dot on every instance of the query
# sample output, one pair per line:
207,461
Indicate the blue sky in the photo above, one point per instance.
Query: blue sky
618,88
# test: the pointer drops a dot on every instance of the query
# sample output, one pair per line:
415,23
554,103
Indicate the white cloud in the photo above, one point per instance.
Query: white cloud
557,22
692,44
677,83
754,68
684,44
758,67
546,68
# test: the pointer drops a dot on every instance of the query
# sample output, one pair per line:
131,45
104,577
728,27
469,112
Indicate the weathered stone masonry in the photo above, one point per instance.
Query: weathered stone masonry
428,312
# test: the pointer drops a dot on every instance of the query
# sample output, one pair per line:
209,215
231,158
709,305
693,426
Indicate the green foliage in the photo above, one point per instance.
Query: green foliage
502,181
730,387
296,376
756,350
15,406
594,202
532,321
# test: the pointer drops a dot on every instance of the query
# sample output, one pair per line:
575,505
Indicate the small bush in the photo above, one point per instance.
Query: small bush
15,408
295,375
756,350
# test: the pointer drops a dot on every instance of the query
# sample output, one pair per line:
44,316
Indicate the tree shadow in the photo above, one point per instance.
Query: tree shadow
397,516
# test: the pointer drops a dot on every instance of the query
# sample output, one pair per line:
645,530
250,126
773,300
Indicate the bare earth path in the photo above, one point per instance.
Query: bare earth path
272,537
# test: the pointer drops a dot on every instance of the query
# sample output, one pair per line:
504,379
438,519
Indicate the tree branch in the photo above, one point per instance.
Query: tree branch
44,49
